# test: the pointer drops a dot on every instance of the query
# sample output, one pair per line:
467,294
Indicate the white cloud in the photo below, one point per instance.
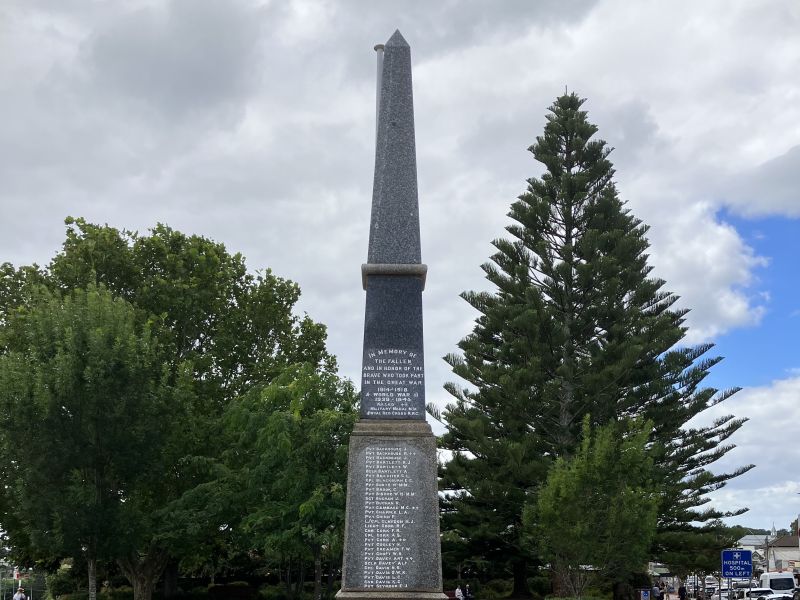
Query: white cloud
708,265
768,440
252,122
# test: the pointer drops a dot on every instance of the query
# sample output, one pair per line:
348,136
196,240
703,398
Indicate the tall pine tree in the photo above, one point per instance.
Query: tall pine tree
576,325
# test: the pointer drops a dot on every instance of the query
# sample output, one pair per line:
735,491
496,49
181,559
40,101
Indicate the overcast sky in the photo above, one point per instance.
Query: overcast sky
252,123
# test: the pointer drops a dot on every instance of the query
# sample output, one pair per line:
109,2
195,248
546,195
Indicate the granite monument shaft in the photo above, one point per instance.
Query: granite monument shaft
392,547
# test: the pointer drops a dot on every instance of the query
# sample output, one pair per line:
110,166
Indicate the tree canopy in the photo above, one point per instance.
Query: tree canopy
595,515
574,325
218,332
85,411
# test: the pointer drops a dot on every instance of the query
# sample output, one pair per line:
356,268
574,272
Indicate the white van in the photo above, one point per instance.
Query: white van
779,583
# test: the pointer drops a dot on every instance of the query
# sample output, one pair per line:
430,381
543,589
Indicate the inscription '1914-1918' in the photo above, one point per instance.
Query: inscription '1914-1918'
393,383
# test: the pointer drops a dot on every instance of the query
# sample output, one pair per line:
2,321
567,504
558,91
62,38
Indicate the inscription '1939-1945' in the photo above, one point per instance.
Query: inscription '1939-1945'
393,383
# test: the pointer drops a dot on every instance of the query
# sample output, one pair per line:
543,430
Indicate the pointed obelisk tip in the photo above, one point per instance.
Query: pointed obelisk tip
397,39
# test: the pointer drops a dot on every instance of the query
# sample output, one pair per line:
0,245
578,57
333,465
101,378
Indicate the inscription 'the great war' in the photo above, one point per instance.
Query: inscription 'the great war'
393,384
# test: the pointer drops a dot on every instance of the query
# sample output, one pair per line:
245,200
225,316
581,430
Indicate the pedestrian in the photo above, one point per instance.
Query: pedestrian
682,593
654,593
20,595
467,593
459,593
661,591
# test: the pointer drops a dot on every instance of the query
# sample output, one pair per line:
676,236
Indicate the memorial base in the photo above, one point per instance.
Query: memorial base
389,595
392,545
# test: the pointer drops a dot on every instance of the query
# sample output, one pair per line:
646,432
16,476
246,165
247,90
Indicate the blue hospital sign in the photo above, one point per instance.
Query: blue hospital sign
737,563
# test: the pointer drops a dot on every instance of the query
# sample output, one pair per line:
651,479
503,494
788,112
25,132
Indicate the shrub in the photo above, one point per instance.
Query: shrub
61,583
540,585
196,593
494,589
239,590
124,592
272,592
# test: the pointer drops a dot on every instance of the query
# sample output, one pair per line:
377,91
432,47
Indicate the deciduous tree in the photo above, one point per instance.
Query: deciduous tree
85,408
595,515
223,330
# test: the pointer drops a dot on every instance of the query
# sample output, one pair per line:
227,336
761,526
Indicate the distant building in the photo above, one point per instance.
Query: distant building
752,542
756,543
782,554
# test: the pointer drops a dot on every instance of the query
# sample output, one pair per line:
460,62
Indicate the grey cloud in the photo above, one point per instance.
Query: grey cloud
629,127
770,188
183,57
253,124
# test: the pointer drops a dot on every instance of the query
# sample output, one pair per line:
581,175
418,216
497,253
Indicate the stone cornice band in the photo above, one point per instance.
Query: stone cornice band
406,270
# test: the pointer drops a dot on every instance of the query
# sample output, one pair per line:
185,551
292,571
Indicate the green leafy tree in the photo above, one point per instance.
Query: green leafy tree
575,325
223,329
295,482
281,481
85,405
598,508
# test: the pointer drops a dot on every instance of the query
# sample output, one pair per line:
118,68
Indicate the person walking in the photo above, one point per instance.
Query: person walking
20,595
682,593
459,593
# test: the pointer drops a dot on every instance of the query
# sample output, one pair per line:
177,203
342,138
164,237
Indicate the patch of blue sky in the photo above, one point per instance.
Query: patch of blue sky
759,354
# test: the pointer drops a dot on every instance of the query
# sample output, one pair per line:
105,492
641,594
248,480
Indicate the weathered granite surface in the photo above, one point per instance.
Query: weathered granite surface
392,531
392,549
393,372
394,226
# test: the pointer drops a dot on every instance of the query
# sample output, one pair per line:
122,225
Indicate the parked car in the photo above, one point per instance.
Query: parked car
754,593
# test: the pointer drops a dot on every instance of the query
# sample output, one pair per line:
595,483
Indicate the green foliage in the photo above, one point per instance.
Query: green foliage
197,593
575,325
294,485
61,582
495,589
84,407
217,332
597,507
120,593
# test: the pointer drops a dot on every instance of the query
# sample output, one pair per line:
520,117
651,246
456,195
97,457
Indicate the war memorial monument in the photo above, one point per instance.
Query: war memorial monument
392,548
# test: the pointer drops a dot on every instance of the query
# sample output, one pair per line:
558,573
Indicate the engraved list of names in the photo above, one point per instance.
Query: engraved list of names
391,514
393,384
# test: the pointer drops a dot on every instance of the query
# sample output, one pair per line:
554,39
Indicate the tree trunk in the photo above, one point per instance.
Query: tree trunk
317,573
520,570
301,578
143,587
171,579
329,584
289,577
143,572
91,566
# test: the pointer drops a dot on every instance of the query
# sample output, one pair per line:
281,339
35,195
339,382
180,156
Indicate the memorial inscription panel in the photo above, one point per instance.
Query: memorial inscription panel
391,480
390,507
393,383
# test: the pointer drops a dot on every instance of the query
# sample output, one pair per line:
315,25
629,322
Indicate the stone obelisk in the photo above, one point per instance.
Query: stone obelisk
392,547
